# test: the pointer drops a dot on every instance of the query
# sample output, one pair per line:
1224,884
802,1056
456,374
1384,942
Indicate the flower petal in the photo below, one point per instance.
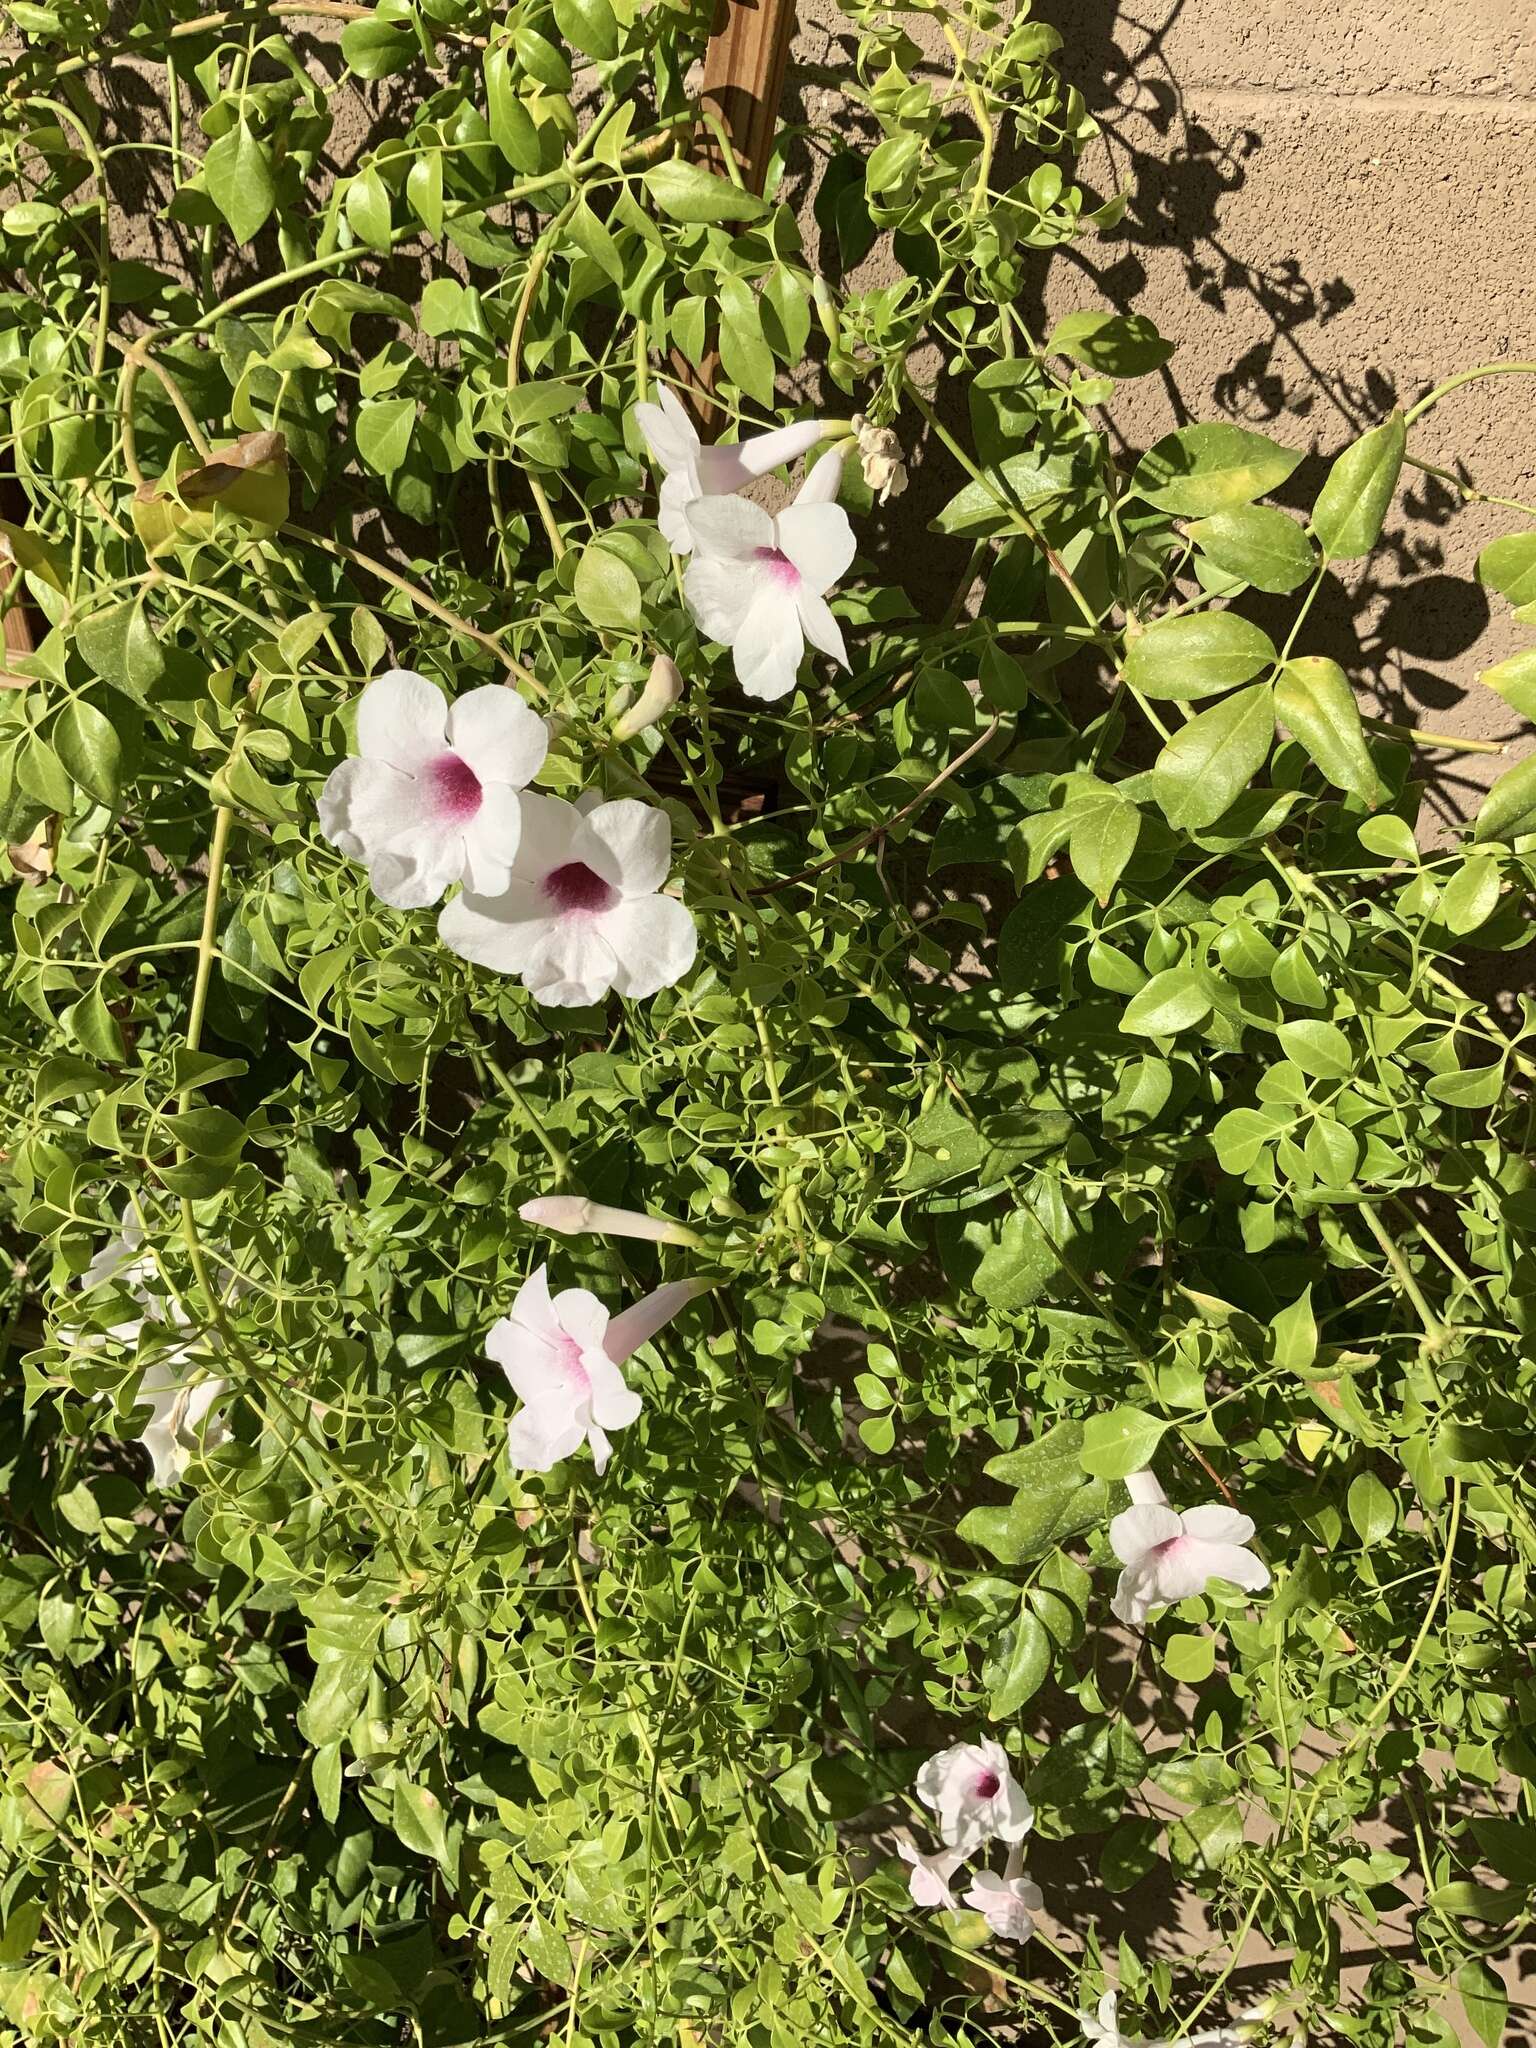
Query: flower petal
491,840
539,1438
669,433
581,1316
552,834
501,932
1217,1525
821,629
654,942
500,737
1136,1593
1232,1561
770,645
822,484
730,529
1140,1529
819,540
727,466
678,492
639,837
615,1404
402,719
572,964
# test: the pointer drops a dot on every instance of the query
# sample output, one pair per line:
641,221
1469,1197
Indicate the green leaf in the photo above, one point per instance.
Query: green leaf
1390,837
368,209
1181,659
1023,1664
418,1819
1468,1088
513,129
1172,1001
1508,565
607,590
746,357
1372,1510
590,25
1103,838
1121,1442
1509,808
1017,1265
1354,500
1208,764
1034,937
238,175
384,430
1471,896
424,192
1189,1659
86,741
1113,344
686,192
1320,1050
1259,543
945,1145
1196,471
1023,482
592,238
376,48
1515,681
1293,1334
119,645
1313,697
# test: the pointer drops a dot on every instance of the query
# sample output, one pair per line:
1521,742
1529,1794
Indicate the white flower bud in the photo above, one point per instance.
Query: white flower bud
663,687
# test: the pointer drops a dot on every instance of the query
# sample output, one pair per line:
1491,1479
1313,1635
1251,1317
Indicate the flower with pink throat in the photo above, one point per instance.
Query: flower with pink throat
972,1790
694,469
758,584
431,795
562,1354
582,912
929,1877
1169,1556
1008,1903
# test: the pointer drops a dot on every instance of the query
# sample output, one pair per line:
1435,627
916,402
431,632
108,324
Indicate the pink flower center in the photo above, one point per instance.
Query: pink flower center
576,887
1171,1547
780,568
577,1378
455,788
988,1785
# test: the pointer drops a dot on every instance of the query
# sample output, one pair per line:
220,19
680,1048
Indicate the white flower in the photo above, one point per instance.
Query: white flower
1104,2031
582,912
663,687
929,1879
758,584
574,1215
1009,1904
431,796
562,1354
880,458
177,1389
694,471
1168,1556
180,1425
975,1795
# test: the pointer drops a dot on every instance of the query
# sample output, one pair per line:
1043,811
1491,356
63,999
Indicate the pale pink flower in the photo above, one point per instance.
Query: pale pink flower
1170,1556
583,911
562,1355
758,584
1009,1904
972,1789
431,796
695,470
929,1878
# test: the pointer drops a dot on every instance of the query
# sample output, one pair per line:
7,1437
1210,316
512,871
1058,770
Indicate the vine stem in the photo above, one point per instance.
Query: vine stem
879,831
1433,398
223,819
1434,1329
417,596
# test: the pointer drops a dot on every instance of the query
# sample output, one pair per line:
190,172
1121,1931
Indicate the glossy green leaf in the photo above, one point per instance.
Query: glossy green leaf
1259,543
1196,471
1509,808
1181,659
1209,762
1358,491
1113,344
1314,698
688,193
238,173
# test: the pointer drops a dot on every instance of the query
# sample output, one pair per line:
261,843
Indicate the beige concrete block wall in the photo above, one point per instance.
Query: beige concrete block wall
1332,208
